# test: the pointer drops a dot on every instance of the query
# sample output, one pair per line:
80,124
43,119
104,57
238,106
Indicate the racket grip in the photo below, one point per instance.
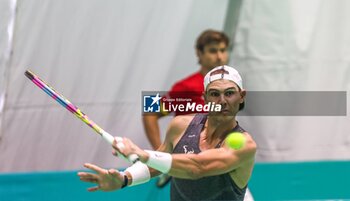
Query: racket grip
110,139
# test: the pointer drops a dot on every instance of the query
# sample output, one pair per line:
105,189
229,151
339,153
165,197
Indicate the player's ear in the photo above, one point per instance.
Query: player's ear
243,95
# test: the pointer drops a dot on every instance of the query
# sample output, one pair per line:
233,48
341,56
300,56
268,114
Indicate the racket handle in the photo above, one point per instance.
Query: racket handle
110,139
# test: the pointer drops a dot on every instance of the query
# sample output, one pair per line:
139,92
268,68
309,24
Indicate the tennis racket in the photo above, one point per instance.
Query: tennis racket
77,112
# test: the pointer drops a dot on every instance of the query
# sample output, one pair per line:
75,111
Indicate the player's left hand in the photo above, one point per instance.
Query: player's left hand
105,180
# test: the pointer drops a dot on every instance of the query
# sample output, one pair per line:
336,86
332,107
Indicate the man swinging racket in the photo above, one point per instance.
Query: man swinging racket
211,170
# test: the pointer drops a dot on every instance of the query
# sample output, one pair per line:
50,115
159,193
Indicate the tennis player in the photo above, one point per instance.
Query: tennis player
203,166
211,50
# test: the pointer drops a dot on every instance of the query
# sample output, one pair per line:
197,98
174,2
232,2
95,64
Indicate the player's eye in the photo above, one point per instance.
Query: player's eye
229,93
214,94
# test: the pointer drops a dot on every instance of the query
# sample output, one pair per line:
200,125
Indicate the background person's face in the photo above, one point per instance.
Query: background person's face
214,54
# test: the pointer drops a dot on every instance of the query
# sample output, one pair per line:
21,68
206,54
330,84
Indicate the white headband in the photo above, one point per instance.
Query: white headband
232,74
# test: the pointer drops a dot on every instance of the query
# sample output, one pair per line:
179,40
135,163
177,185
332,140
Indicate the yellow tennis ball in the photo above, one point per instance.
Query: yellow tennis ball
235,140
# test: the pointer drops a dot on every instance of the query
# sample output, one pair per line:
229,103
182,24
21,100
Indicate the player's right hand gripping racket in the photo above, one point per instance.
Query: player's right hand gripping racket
77,112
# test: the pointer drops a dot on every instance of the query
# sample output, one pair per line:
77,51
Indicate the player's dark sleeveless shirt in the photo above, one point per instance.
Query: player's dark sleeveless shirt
219,187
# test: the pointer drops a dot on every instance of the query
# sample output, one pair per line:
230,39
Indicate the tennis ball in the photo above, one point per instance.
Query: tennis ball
235,140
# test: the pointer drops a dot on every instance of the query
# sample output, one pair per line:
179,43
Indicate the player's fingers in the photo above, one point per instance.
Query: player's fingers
117,140
89,180
86,175
80,174
117,153
92,189
114,152
114,142
118,144
127,142
113,172
95,168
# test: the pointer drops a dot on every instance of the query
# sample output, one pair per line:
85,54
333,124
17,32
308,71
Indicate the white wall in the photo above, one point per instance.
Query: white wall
100,55
296,45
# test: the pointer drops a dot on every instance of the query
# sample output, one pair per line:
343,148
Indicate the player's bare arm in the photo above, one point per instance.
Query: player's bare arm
206,163
212,161
194,166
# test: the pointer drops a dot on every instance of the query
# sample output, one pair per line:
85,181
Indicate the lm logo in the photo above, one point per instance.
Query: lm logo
151,103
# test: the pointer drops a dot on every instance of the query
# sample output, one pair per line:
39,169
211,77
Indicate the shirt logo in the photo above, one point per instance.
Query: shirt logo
187,151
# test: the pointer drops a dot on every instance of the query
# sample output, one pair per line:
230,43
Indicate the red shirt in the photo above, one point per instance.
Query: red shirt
190,87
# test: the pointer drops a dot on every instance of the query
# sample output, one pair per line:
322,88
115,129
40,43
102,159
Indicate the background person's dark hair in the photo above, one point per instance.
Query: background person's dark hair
211,36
